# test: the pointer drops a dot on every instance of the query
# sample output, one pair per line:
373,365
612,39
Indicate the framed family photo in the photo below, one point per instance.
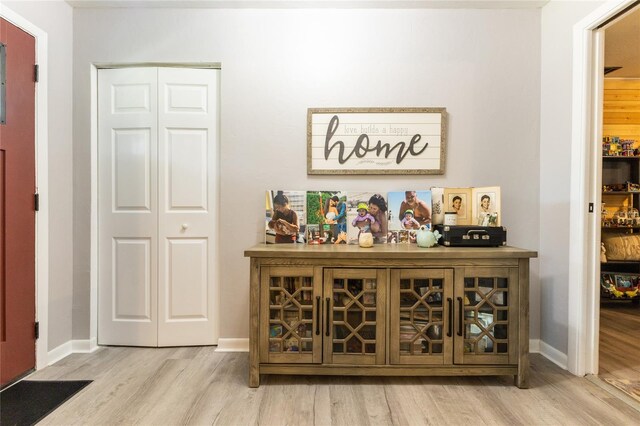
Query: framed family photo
486,206
458,200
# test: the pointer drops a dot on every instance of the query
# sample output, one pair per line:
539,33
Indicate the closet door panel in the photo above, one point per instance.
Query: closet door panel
127,206
187,217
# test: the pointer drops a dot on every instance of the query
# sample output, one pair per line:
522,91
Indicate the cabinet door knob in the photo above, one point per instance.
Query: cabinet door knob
185,226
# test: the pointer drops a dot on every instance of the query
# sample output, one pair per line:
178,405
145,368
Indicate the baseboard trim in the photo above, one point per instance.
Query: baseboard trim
242,345
84,346
553,355
233,345
534,346
60,352
70,347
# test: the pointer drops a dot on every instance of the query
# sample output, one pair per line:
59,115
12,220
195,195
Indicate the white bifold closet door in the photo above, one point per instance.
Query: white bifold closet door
157,145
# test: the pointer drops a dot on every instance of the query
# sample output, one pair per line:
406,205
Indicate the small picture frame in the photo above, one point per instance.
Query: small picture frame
458,200
486,206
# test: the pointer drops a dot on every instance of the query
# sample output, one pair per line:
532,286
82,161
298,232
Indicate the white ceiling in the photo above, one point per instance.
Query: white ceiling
335,4
622,46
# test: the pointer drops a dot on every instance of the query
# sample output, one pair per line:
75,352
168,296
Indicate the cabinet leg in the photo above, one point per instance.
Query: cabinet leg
521,379
254,378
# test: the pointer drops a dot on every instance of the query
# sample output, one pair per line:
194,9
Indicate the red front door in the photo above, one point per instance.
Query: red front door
17,215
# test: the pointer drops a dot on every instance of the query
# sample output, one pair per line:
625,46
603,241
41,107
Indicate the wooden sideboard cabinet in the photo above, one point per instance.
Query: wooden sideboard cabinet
392,310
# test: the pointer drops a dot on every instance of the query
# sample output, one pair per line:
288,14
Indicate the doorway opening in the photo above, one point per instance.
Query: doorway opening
619,268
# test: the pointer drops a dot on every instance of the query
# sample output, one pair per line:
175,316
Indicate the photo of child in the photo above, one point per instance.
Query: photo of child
409,209
285,217
364,220
361,204
409,222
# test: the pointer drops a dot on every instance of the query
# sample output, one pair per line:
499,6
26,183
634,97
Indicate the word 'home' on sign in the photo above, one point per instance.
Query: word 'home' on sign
363,146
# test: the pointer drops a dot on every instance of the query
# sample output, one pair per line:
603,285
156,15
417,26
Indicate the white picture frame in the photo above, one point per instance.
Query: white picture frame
486,201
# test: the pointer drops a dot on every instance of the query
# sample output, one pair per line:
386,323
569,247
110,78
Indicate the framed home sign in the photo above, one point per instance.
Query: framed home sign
376,141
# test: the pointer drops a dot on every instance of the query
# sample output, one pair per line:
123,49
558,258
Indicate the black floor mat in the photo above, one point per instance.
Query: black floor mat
29,401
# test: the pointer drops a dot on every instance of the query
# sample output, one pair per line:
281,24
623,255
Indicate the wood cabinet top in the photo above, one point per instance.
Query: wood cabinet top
386,251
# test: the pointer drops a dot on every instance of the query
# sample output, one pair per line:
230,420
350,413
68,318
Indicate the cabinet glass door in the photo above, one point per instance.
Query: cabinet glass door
421,309
290,323
354,316
487,316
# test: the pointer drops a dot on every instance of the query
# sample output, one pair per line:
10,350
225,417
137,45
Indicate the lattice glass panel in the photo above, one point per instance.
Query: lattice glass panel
290,314
486,315
354,316
421,316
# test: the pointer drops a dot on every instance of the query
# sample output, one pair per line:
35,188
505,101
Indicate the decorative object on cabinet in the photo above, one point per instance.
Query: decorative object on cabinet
486,206
365,239
459,200
445,311
409,209
472,236
367,210
285,217
426,238
326,217
437,205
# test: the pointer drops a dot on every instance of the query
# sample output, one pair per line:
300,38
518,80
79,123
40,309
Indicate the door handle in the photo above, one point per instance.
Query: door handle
450,307
327,332
461,307
317,315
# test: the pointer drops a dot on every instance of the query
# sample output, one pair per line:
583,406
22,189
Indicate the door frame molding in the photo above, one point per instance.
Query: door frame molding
584,250
42,182
93,295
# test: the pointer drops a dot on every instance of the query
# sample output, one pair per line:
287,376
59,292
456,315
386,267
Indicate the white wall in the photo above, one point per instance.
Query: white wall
558,18
56,19
482,65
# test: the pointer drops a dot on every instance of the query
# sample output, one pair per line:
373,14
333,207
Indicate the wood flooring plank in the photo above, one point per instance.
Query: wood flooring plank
185,391
322,401
347,403
374,395
227,399
288,400
619,357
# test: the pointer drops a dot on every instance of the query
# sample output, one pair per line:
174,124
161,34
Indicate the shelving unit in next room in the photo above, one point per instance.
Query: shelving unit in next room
621,189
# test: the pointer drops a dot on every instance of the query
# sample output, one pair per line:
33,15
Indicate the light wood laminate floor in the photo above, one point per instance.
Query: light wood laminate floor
199,386
620,341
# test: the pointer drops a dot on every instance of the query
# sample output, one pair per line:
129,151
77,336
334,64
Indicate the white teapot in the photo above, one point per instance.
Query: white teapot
426,238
